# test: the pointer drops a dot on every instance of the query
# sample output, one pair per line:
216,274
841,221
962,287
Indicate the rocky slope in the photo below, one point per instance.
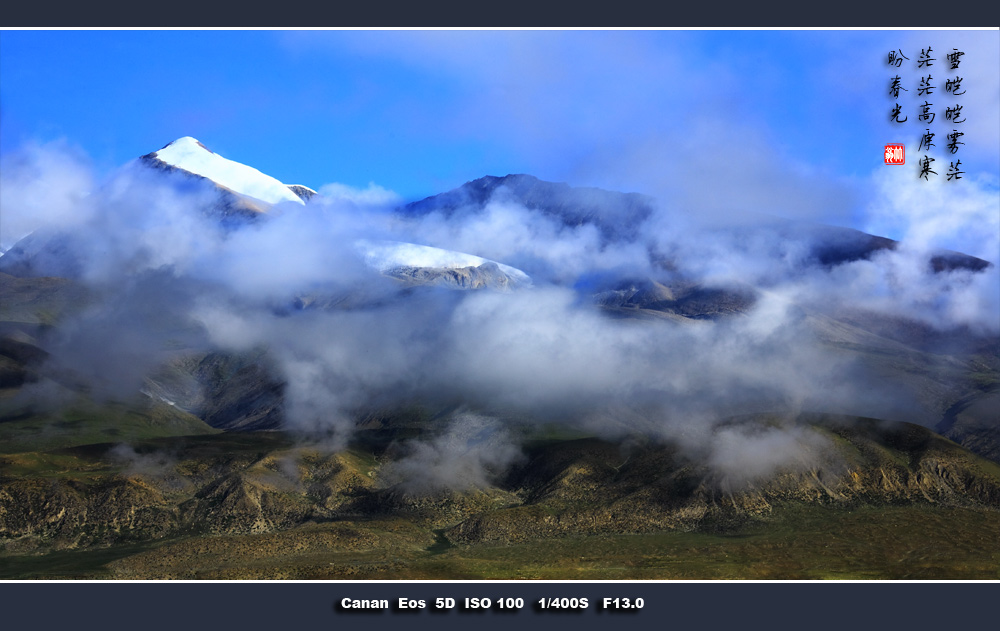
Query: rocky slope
260,483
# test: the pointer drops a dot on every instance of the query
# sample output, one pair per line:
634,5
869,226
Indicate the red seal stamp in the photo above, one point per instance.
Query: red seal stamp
895,154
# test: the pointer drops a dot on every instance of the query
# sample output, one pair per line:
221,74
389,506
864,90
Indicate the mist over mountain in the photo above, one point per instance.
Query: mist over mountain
617,215
252,304
632,217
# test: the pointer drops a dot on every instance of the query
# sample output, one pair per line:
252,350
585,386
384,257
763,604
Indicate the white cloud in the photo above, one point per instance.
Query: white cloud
43,185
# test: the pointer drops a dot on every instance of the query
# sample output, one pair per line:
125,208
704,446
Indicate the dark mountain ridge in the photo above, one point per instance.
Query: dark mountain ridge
620,216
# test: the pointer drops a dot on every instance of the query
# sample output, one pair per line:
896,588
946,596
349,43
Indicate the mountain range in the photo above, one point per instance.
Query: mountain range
219,354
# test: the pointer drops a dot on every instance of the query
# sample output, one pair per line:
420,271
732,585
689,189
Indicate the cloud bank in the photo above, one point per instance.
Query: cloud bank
168,278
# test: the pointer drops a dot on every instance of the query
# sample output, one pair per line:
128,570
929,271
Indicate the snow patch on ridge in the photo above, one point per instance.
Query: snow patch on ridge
387,255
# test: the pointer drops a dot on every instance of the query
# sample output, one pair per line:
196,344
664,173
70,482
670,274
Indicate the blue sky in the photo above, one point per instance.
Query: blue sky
792,122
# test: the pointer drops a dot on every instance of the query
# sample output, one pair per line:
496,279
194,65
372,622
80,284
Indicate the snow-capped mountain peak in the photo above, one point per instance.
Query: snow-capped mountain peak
188,154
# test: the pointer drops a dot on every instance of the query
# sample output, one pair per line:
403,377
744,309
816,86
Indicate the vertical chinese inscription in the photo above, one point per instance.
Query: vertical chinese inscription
919,76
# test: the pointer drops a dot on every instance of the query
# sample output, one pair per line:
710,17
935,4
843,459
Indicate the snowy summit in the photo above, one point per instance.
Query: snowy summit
190,155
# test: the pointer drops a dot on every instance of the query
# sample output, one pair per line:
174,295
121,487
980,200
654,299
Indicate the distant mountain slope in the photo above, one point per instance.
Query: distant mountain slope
620,216
44,253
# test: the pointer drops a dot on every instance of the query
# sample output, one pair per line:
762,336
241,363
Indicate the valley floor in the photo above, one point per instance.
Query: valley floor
796,542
